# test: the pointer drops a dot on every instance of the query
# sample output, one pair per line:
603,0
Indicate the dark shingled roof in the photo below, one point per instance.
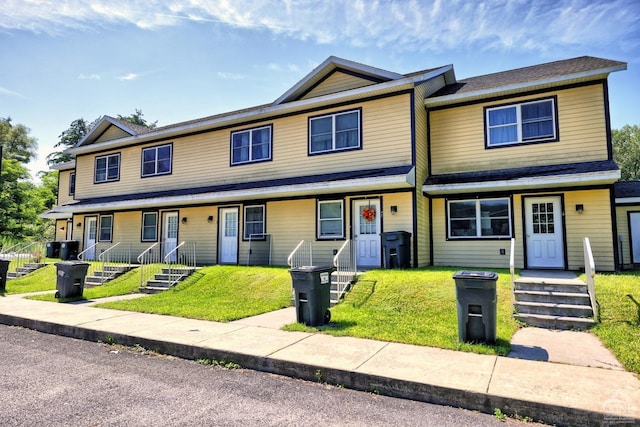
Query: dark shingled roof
519,173
527,74
310,179
625,189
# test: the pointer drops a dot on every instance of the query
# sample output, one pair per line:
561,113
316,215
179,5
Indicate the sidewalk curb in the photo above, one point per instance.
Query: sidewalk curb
482,402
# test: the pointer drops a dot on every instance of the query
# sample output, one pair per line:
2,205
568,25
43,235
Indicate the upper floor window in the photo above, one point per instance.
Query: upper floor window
72,183
254,222
156,160
330,219
251,145
533,121
106,228
107,168
149,226
334,132
479,218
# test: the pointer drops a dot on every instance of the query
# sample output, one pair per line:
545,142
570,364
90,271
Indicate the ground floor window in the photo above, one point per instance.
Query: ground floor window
330,219
149,226
106,228
254,222
479,218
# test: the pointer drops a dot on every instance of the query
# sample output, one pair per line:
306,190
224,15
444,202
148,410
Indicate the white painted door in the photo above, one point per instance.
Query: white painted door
545,243
170,235
366,232
90,239
634,223
229,236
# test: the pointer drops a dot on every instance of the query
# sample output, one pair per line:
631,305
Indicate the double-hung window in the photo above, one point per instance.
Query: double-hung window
526,122
107,168
156,160
479,218
72,183
330,219
251,145
254,222
149,226
334,132
106,228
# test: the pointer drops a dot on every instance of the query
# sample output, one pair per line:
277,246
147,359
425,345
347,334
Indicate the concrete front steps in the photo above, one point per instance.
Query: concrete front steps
556,300
27,268
99,277
165,280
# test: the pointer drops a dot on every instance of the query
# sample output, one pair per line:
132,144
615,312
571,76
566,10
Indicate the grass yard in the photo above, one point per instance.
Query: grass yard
43,279
619,327
219,293
414,307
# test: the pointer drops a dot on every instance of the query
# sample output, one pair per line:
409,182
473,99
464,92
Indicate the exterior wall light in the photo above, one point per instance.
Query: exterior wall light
394,209
210,218
580,208
184,219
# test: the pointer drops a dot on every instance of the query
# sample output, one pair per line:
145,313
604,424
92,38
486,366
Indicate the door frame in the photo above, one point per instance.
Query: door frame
631,239
85,234
221,210
560,197
163,227
352,225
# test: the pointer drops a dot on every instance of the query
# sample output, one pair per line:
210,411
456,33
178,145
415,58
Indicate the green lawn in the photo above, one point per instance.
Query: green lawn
43,279
219,293
414,307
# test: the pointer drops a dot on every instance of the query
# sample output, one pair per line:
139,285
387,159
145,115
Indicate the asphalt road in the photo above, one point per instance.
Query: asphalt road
47,380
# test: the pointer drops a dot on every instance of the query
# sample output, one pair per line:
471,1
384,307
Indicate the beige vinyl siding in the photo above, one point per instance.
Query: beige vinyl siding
594,223
480,253
204,159
402,220
622,220
198,229
289,222
63,187
61,230
112,132
337,82
458,141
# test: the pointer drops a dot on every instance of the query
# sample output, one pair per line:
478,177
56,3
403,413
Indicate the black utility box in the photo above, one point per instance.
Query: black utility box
476,298
312,288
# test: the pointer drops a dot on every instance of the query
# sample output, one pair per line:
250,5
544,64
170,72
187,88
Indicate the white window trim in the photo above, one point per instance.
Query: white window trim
319,220
518,123
478,219
251,159
144,214
100,239
156,173
333,132
106,175
264,225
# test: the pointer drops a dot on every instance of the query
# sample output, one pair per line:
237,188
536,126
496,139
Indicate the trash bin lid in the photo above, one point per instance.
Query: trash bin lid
311,268
477,275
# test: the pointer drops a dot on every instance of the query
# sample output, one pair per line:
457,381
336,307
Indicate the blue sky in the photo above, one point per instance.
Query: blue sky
181,60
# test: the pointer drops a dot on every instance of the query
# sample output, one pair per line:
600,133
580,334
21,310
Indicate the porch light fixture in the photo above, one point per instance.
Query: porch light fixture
394,209
78,225
184,219
210,218
61,228
580,208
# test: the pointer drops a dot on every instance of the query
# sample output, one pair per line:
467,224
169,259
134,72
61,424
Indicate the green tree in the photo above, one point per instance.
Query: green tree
67,139
16,142
136,119
626,151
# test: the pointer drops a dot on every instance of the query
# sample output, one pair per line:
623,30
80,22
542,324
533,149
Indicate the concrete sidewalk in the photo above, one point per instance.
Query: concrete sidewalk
557,393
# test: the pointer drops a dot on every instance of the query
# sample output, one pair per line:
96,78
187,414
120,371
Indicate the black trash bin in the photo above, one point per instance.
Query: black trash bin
312,289
70,278
396,246
69,250
4,269
53,249
477,310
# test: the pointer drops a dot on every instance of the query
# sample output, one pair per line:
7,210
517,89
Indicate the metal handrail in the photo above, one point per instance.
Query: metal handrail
590,273
81,254
144,273
298,255
251,239
512,268
22,253
141,256
167,257
188,261
345,272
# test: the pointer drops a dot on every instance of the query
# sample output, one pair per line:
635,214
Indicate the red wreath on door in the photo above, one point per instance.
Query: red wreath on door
369,214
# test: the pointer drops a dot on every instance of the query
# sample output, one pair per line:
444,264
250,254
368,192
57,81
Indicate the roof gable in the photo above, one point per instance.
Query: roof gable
324,71
109,129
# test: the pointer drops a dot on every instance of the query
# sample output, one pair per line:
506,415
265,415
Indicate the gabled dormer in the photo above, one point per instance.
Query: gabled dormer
109,129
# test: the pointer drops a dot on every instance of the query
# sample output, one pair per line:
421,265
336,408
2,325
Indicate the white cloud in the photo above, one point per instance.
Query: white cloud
7,92
89,77
231,76
406,24
130,76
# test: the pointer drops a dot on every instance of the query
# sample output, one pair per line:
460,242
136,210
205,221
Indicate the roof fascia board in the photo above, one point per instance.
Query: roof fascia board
627,200
102,126
370,183
71,164
386,87
592,178
450,99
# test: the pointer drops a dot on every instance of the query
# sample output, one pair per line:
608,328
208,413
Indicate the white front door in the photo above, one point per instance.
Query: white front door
91,227
366,232
170,235
228,236
545,243
634,223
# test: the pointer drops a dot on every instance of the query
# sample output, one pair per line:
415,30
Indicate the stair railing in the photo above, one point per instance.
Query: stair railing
301,255
512,269
149,261
345,263
590,273
112,261
24,253
259,237
82,254
182,257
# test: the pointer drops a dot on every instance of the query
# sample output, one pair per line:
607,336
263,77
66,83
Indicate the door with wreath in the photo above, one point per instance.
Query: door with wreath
366,232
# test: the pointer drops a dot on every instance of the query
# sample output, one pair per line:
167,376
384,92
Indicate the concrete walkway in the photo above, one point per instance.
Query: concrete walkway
563,393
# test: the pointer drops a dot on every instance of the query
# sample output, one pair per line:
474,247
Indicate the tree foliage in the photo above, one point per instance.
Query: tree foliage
626,151
16,142
136,119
